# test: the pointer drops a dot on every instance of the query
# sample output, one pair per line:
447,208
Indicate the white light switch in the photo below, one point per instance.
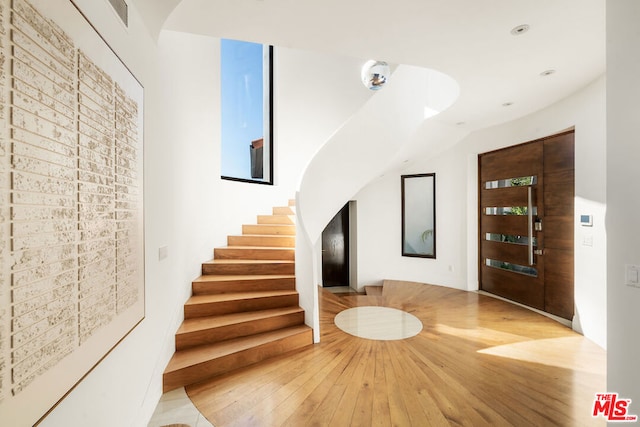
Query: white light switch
587,241
163,252
632,275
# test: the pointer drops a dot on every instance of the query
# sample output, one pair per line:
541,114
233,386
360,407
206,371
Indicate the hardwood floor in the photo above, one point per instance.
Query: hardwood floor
478,361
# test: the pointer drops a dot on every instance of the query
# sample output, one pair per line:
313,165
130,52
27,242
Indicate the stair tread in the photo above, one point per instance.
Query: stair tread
284,236
204,353
244,306
270,232
236,296
249,261
269,229
373,290
260,248
272,225
232,277
201,323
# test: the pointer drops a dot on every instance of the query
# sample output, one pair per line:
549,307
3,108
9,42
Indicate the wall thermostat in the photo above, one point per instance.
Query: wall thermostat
586,220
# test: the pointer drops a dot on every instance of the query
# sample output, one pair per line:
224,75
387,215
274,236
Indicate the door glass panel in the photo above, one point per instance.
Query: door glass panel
508,238
515,268
522,181
510,210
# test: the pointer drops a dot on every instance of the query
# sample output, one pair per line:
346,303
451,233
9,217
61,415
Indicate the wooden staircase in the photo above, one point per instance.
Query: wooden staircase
244,307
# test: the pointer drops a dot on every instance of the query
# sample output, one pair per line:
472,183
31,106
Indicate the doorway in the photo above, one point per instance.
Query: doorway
336,253
526,211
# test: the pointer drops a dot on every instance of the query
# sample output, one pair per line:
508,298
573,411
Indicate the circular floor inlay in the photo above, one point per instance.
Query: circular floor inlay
378,323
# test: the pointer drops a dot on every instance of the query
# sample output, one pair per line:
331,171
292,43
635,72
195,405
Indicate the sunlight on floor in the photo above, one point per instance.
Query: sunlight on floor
575,353
481,335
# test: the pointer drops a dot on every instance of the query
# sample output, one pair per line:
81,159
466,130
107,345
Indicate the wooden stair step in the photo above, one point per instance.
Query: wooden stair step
207,330
292,202
244,307
276,219
255,252
373,290
262,240
203,362
218,284
359,299
269,229
218,304
237,266
283,210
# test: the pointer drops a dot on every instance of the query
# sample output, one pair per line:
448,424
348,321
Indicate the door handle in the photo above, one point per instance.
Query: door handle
530,222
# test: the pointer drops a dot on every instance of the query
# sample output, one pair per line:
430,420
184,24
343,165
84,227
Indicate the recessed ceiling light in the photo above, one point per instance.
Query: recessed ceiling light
507,104
520,29
547,73
460,123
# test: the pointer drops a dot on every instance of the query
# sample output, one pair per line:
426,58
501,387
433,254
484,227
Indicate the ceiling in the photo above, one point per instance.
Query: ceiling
470,40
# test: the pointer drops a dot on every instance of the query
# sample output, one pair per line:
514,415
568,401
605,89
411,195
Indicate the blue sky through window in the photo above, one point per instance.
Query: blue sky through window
242,104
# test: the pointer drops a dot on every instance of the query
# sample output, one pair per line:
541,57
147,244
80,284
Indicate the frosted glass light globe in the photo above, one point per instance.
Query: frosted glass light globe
375,74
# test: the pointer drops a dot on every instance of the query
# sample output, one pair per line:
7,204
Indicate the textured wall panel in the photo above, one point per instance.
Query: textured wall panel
5,301
97,267
44,33
40,226
127,152
4,72
71,249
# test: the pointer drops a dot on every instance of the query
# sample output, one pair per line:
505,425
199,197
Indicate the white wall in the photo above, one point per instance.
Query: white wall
379,221
623,200
187,207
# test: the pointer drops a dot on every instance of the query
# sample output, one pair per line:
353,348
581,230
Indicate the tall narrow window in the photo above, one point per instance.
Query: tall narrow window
247,113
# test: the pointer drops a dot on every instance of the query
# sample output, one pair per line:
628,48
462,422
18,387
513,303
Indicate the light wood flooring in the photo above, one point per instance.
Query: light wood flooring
478,361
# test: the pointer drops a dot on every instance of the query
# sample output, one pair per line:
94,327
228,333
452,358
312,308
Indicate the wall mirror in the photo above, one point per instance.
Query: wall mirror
419,215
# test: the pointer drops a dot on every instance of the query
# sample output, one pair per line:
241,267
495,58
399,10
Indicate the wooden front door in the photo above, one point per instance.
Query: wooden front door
526,223
335,250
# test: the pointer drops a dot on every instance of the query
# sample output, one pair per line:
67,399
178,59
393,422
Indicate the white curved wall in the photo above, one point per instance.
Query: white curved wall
370,142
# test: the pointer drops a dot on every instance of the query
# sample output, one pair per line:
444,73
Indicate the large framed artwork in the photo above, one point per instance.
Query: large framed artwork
419,215
246,111
71,204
